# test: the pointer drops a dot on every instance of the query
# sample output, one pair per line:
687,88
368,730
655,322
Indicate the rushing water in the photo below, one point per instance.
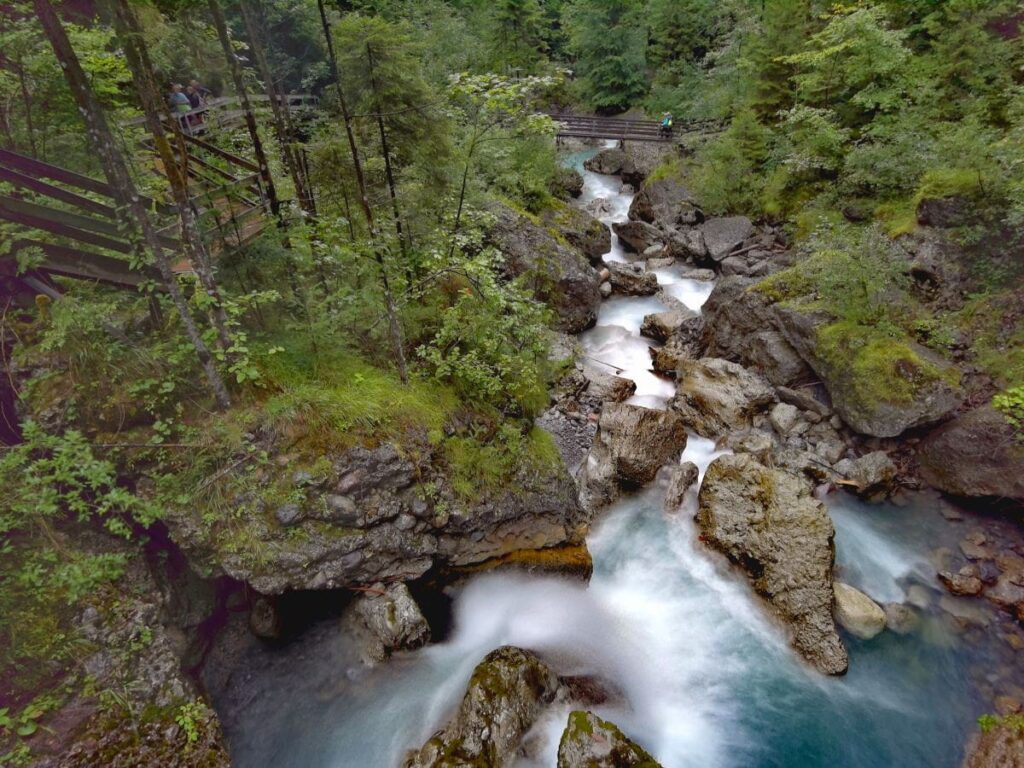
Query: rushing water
705,679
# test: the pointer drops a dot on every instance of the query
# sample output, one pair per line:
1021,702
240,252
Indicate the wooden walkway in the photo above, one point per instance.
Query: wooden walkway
624,129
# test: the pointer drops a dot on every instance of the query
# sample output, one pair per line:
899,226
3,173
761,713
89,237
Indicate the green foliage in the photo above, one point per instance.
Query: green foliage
1011,404
609,42
725,175
479,466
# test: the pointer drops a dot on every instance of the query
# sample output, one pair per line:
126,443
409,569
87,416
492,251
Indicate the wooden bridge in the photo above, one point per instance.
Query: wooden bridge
624,129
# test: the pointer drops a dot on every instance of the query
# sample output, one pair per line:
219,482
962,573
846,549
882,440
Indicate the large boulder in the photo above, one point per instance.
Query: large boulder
716,396
725,234
740,326
382,514
507,693
558,275
390,621
874,473
632,279
767,522
641,160
684,344
590,742
1000,746
857,613
607,161
880,386
580,229
637,236
665,202
606,387
974,455
662,326
631,445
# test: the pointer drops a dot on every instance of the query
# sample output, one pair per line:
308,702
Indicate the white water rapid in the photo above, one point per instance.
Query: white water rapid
705,679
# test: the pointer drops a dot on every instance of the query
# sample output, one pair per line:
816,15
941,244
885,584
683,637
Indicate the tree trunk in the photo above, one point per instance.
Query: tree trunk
243,96
131,210
130,35
27,99
394,324
279,108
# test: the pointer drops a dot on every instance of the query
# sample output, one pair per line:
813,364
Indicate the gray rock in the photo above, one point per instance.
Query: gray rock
687,243
705,275
663,203
857,613
606,289
685,344
768,523
873,473
974,455
632,279
998,747
716,396
581,230
559,276
392,620
803,400
661,326
606,387
264,619
288,514
725,234
508,692
607,161
901,619
637,236
945,212
681,478
590,742
631,445
572,436
570,181
784,418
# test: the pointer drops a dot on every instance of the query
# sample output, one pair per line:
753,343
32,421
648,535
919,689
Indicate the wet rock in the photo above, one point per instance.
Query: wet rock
704,275
684,344
974,455
681,479
724,235
664,202
507,693
873,473
392,619
998,747
606,289
901,619
637,236
1008,593
264,619
918,596
661,326
590,742
605,386
716,396
857,613
961,583
767,522
632,279
687,244
570,181
607,161
973,546
560,276
966,612
581,230
631,445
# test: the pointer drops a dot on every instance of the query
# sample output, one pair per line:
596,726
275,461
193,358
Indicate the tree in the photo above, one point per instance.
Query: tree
517,35
609,43
131,208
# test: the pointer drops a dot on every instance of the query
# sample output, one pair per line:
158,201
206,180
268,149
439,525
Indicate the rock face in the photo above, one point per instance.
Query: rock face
638,236
665,202
581,230
590,742
365,518
768,523
509,689
999,747
557,275
631,445
392,619
632,279
716,396
661,326
857,613
740,326
846,369
974,455
724,235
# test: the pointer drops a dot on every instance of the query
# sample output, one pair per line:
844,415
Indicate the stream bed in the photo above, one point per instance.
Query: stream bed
706,679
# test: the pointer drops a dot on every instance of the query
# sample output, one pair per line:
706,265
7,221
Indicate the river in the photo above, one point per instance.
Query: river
706,679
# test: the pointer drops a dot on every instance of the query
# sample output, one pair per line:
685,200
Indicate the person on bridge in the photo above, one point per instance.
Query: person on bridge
666,124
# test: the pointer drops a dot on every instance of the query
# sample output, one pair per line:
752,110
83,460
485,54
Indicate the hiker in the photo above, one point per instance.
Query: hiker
666,124
202,91
178,100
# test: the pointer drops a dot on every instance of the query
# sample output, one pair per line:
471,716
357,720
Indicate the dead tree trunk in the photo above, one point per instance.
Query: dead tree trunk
391,307
131,209
137,56
243,96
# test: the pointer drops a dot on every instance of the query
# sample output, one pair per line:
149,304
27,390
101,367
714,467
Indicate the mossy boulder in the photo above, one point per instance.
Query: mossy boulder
590,742
717,396
880,384
507,693
767,522
579,229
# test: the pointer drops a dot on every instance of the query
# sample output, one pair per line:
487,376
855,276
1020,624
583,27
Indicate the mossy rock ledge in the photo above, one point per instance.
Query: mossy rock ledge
590,742
367,515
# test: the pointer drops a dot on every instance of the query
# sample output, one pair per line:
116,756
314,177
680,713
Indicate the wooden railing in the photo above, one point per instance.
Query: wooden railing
625,129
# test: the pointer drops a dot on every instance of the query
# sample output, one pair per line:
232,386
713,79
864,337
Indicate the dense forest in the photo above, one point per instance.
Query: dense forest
303,341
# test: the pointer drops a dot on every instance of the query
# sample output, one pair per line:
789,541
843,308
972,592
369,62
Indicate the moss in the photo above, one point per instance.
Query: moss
898,217
879,368
949,182
478,469
669,168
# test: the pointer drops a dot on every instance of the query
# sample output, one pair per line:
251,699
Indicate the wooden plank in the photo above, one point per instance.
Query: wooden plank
57,228
85,265
32,167
42,188
223,154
